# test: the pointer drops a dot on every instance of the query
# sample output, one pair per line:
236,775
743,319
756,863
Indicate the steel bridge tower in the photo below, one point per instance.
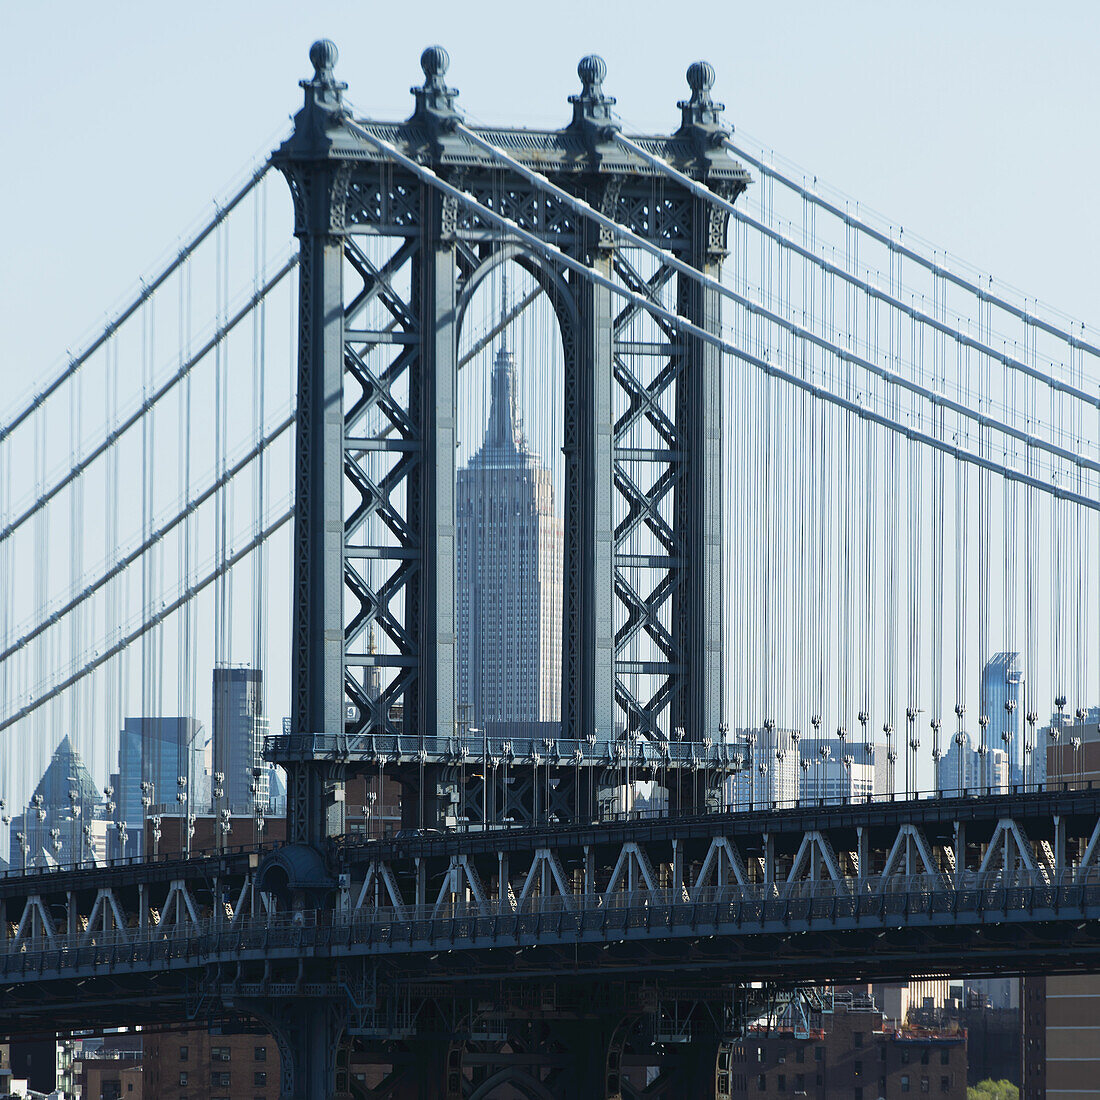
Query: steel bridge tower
377,434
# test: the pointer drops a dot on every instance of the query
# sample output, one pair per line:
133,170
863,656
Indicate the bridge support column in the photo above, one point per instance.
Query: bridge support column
587,1045
588,633
308,1033
697,605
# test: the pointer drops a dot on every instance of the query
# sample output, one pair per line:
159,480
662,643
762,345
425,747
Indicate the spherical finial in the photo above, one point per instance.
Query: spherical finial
700,77
323,56
592,69
434,61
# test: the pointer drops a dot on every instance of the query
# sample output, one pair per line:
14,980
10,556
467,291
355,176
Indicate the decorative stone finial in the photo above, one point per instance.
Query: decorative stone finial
700,77
323,107
435,61
435,102
323,55
592,69
592,109
701,117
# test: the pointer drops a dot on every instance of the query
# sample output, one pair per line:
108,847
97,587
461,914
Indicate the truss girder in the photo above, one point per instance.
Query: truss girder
659,888
385,259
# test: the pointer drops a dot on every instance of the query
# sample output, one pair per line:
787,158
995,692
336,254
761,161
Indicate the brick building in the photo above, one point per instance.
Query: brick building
1061,1015
194,1065
110,1075
851,1057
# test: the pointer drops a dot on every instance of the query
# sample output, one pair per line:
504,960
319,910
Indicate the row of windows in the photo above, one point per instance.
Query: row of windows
799,1084
221,1078
906,1053
224,1054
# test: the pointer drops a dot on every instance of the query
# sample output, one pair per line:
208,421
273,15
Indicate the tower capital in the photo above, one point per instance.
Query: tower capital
435,101
592,108
323,106
700,115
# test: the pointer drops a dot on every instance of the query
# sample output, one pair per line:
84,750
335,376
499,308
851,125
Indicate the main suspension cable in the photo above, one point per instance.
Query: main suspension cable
555,253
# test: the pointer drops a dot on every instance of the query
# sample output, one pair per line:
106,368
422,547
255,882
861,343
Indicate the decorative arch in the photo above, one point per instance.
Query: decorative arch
549,279
516,1077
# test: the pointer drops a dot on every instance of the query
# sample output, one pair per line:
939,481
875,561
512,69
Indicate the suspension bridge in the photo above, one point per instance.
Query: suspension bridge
814,476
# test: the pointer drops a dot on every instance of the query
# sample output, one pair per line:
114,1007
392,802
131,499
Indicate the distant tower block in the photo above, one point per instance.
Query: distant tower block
509,572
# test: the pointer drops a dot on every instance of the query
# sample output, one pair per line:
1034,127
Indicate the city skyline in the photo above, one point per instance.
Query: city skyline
738,460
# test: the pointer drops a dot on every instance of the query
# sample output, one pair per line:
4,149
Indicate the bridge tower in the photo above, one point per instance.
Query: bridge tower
375,523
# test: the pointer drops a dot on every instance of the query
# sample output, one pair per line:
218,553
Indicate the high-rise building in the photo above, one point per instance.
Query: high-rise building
64,821
1003,705
159,752
964,769
509,572
769,770
239,729
840,773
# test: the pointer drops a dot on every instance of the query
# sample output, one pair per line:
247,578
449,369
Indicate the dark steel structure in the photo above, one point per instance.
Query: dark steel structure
346,189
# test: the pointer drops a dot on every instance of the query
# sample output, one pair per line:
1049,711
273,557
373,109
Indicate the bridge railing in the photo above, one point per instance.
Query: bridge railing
604,815
727,910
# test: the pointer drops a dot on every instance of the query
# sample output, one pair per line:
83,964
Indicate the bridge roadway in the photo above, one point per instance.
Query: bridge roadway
1005,884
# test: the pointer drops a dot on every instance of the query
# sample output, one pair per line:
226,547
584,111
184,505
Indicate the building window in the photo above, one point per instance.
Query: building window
945,1084
760,1054
762,1083
183,1054
219,1078
800,1055
219,1054
905,1082
781,1082
129,1086
924,1057
904,1057
259,1078
800,1082
945,1056
183,1079
858,1068
924,1084
882,1053
858,1093
819,1054
857,1038
260,1054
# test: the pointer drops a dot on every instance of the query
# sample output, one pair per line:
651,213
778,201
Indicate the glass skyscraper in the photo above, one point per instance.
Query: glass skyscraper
159,751
1003,703
64,801
239,728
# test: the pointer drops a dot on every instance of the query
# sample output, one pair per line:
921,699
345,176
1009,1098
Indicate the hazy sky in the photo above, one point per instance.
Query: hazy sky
972,124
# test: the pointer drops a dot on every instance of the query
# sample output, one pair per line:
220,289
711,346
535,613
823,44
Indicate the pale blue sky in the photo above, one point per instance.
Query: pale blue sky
972,124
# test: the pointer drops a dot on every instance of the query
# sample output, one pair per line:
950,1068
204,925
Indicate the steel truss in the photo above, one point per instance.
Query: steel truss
956,862
379,326
390,943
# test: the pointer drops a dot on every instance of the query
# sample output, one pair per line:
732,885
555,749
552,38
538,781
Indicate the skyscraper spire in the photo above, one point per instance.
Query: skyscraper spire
504,436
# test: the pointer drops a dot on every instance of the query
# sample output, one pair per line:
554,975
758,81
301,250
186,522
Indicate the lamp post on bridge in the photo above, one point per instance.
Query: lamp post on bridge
147,794
181,803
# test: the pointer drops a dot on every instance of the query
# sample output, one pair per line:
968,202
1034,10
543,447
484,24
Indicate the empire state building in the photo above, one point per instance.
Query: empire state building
509,572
